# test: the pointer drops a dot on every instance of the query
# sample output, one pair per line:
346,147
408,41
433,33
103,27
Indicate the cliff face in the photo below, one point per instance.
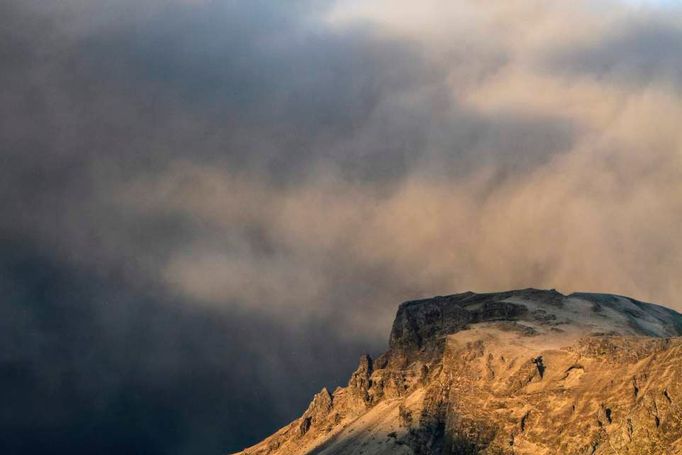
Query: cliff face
519,372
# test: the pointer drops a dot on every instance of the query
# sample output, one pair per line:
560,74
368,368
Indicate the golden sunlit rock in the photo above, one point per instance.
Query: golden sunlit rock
519,372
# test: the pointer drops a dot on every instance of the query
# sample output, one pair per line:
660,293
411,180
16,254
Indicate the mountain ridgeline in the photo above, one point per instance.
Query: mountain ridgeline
520,372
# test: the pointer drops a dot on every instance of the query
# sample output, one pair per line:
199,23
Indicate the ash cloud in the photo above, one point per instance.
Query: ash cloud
202,203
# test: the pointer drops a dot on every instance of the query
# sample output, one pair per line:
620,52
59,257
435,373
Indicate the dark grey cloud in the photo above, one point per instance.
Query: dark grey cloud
642,52
89,364
96,356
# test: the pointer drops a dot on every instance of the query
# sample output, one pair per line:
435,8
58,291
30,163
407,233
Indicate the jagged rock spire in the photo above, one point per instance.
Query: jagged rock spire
360,381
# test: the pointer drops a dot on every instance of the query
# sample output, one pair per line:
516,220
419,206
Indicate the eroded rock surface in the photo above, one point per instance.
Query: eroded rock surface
518,372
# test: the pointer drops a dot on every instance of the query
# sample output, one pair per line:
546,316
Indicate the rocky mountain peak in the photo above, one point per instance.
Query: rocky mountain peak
518,372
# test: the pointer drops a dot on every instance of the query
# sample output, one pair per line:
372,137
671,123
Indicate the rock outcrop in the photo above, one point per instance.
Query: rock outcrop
518,372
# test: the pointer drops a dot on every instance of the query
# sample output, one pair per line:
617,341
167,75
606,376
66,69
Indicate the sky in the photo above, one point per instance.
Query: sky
209,209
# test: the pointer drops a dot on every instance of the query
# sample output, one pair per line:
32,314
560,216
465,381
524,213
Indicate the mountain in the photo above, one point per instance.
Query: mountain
520,372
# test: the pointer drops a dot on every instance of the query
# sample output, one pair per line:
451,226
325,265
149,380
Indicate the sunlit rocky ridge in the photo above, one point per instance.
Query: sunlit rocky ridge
520,372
